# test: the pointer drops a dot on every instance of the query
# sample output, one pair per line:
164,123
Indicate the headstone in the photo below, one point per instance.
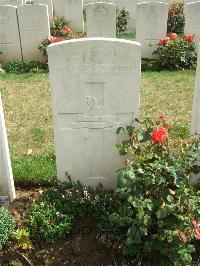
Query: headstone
10,48
11,2
196,100
96,1
6,178
130,7
101,20
34,27
49,3
72,10
95,89
192,20
187,2
151,25
195,127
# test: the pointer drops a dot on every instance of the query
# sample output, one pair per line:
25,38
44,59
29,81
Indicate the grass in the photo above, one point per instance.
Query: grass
27,107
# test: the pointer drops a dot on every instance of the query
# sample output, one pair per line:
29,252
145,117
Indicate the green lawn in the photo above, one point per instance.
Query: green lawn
27,106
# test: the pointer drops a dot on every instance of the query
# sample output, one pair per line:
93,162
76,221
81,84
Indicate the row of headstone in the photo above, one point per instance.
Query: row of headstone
21,30
151,23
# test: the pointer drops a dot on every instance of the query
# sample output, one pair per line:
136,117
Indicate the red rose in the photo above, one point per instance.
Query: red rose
159,135
161,41
190,38
171,11
166,40
173,36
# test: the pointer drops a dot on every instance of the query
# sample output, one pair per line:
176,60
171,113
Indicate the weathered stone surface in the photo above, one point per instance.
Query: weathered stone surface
49,3
34,27
101,20
195,129
6,178
130,7
192,20
95,89
10,48
72,10
151,25
12,2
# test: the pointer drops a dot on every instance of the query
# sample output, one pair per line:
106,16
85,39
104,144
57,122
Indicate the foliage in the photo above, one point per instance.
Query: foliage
149,65
176,52
121,23
46,42
23,239
7,225
159,213
19,67
53,215
176,18
59,27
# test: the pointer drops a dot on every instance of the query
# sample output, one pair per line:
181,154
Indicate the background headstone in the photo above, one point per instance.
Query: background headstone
12,2
72,10
49,3
34,27
151,25
192,20
6,178
10,48
96,1
130,7
95,89
101,20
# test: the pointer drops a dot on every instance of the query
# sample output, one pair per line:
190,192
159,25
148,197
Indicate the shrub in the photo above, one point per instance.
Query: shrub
19,67
176,52
7,225
53,215
59,27
122,17
46,42
176,18
159,214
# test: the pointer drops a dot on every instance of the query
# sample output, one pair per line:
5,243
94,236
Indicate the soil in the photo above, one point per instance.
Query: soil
80,248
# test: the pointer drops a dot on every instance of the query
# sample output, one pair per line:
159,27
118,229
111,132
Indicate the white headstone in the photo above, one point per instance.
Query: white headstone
101,20
187,2
34,27
49,3
11,2
195,127
6,178
95,89
10,48
72,10
151,25
130,7
95,1
192,20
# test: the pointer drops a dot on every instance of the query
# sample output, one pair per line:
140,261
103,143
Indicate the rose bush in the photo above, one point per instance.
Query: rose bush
176,52
60,27
46,42
176,18
159,214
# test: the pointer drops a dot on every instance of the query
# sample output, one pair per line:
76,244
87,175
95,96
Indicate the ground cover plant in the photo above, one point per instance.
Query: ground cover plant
7,225
176,52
